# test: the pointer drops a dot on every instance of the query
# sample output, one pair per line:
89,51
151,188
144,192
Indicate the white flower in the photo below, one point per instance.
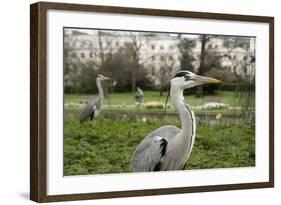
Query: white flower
213,105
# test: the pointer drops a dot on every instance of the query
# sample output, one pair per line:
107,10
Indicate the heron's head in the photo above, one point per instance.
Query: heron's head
185,79
101,77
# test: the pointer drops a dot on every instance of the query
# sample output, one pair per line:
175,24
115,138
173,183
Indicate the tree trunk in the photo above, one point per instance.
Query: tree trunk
134,69
134,79
101,49
199,92
161,91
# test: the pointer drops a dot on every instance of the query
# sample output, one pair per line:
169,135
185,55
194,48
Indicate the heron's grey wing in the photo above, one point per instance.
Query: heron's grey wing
88,111
150,152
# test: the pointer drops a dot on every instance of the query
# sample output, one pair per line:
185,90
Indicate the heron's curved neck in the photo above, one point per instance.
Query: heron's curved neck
98,82
186,115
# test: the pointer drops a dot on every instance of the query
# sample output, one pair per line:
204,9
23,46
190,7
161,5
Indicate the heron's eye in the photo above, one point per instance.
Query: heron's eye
187,77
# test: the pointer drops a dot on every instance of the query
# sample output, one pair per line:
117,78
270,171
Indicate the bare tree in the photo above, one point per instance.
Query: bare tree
241,68
101,48
185,47
166,70
105,54
208,59
202,67
137,41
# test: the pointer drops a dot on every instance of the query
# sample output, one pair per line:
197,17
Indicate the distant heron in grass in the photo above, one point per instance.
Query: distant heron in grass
139,95
94,106
168,147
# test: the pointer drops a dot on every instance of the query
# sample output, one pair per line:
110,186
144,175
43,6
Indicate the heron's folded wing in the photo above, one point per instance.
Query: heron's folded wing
148,154
87,111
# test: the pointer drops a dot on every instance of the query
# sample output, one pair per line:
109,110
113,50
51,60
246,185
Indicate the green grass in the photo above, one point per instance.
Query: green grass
106,145
128,98
126,101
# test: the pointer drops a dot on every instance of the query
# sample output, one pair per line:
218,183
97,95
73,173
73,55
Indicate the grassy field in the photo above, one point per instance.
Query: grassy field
128,98
106,145
126,101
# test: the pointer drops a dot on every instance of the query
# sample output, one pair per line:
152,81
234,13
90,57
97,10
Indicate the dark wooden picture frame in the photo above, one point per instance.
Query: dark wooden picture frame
38,100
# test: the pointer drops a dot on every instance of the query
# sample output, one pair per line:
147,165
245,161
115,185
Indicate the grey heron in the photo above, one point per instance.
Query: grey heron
139,95
168,147
94,106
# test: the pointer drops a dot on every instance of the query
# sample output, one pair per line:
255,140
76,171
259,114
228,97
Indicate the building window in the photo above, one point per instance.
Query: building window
162,58
171,47
117,43
153,70
171,58
152,47
82,55
153,58
91,55
108,43
73,55
161,47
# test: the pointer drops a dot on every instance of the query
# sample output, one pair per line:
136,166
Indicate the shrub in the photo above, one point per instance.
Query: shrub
227,86
154,105
213,105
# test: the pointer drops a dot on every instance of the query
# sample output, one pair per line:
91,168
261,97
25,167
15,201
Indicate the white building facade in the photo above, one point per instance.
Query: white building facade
158,51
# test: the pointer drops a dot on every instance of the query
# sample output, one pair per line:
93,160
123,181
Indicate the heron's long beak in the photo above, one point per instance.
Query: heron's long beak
106,78
206,80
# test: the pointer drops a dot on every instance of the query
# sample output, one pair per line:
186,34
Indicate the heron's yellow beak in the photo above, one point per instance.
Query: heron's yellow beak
106,78
207,80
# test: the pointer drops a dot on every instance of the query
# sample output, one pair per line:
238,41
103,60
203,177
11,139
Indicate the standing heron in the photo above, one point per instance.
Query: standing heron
168,147
139,95
94,106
